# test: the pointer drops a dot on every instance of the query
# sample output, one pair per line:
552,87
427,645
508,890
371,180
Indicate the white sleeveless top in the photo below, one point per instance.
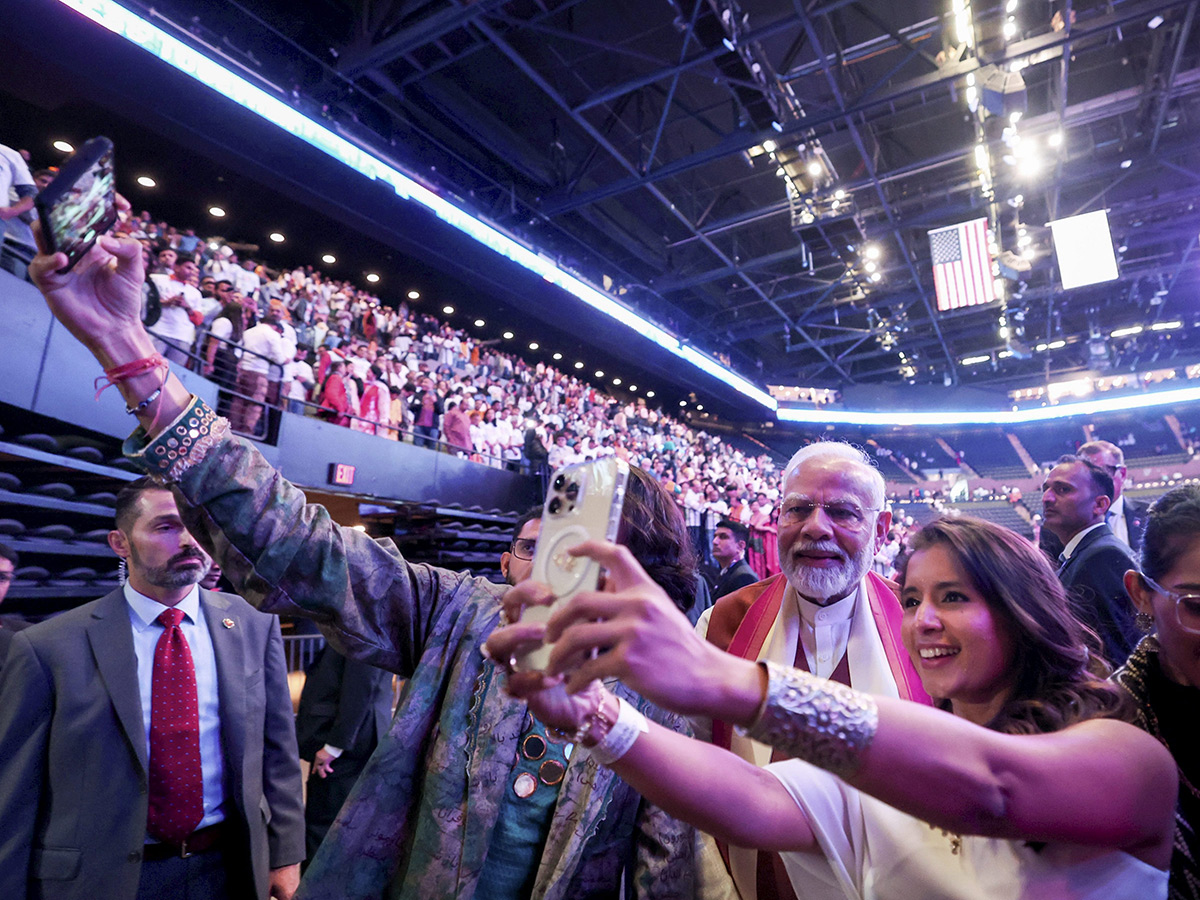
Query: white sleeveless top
871,850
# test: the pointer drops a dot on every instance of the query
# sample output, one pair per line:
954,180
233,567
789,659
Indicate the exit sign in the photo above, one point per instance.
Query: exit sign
341,473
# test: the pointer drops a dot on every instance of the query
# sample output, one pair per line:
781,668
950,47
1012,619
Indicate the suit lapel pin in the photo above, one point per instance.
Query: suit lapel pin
228,623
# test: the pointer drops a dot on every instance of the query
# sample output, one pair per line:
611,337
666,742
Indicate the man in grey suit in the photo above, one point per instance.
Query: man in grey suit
1093,563
90,808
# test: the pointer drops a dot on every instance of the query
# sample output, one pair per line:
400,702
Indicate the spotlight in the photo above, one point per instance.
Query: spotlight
216,212
508,335
276,237
579,365
616,381
414,295
649,393
479,323
815,169
558,356
146,181
372,277
329,259
599,373
63,146
871,251
1126,163
448,310
534,345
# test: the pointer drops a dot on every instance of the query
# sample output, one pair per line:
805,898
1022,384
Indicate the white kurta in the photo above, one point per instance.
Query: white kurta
870,851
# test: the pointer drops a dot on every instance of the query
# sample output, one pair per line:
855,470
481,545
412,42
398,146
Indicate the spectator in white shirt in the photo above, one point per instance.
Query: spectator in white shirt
299,377
262,350
175,330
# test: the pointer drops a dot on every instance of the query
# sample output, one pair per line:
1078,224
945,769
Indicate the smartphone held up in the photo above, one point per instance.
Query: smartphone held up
584,503
80,204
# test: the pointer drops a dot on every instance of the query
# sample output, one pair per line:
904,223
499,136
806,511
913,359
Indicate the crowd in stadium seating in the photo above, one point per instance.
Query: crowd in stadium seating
325,347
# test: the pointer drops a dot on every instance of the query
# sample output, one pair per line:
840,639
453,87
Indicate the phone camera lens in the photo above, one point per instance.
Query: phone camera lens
572,491
559,481
555,506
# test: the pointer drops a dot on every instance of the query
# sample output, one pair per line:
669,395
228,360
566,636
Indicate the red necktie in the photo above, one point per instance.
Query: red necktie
176,785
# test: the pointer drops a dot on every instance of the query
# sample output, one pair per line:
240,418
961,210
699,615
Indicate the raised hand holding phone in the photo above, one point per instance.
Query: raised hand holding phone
584,503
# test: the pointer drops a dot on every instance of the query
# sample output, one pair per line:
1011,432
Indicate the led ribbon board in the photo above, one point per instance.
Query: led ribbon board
191,62
991,417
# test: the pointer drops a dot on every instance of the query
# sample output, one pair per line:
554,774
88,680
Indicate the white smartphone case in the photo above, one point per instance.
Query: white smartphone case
584,503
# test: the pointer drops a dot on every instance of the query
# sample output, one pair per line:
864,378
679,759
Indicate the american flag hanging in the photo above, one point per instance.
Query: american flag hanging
962,267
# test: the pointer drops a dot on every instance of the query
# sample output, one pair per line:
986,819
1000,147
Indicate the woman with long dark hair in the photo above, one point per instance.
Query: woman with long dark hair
1028,783
1163,672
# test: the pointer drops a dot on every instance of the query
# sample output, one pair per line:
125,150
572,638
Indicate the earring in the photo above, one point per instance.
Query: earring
1144,622
121,572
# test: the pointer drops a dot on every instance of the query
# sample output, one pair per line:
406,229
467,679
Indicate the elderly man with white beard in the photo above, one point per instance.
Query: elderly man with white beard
826,613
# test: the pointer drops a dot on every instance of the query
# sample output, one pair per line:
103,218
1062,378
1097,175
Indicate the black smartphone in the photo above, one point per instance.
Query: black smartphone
80,204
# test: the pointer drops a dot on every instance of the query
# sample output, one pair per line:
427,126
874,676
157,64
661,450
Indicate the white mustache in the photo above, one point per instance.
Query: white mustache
817,547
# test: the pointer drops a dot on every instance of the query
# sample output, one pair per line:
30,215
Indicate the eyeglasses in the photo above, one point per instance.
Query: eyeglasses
1187,606
843,513
522,548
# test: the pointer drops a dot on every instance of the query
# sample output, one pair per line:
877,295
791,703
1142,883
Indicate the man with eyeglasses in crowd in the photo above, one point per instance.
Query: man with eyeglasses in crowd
827,613
1126,517
516,563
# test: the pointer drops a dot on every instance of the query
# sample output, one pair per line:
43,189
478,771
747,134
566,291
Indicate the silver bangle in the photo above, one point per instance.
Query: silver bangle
822,722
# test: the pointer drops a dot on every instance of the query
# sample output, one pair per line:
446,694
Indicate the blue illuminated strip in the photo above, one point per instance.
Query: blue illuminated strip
184,58
990,417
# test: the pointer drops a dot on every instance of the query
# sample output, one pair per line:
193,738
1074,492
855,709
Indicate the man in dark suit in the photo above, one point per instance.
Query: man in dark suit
9,625
732,572
1093,563
344,708
1127,516
147,737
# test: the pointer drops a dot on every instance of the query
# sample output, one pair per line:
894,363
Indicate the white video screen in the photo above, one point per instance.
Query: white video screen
1084,249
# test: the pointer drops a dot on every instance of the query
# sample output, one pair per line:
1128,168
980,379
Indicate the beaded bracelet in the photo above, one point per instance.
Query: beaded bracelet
134,410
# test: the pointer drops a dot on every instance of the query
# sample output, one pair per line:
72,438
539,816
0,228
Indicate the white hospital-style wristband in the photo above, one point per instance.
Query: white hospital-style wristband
630,724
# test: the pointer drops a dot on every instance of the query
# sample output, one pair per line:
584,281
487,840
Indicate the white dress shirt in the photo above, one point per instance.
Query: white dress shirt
1069,550
143,612
1116,521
